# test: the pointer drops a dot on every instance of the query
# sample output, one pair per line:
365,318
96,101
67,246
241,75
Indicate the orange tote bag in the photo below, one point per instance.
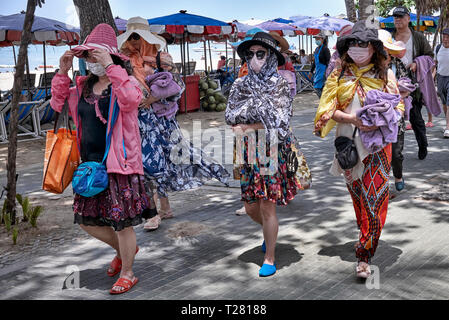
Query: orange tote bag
61,156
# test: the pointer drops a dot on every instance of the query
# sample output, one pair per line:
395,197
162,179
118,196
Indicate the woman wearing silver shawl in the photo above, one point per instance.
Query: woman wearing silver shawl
259,110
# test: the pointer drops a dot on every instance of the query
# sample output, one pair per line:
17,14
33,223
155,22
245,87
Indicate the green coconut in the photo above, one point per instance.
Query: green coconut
204,86
217,96
212,107
210,92
211,99
221,107
213,84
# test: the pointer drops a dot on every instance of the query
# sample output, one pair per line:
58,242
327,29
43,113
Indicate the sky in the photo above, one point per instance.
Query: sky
64,10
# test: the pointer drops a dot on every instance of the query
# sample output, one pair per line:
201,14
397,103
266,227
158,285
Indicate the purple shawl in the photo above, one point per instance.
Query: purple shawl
164,88
379,110
426,84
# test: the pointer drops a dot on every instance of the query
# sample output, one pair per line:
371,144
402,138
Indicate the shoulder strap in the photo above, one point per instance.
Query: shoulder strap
158,61
438,49
114,117
355,130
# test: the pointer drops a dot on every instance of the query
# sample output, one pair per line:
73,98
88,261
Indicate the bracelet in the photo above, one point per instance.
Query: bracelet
108,65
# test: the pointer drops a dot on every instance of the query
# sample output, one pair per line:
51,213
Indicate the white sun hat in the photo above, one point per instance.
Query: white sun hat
395,48
141,26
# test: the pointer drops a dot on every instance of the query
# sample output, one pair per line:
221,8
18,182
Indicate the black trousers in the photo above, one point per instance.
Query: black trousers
416,120
396,155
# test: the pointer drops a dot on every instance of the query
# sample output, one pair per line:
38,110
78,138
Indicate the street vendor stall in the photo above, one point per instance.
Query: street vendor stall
183,28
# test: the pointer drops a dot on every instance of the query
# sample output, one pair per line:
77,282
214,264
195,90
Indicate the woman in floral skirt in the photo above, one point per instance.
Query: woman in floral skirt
261,101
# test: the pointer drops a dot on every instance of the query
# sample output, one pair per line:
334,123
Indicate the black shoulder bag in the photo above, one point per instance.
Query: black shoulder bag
346,151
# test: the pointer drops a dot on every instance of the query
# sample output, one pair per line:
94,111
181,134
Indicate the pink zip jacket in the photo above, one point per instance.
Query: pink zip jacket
126,130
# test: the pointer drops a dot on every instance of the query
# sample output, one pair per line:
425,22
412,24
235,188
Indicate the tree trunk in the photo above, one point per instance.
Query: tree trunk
17,88
363,6
350,10
92,13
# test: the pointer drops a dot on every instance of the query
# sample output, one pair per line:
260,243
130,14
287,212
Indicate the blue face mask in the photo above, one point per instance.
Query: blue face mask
318,42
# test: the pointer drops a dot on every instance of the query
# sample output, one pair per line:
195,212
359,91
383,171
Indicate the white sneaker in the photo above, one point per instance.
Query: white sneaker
446,133
240,212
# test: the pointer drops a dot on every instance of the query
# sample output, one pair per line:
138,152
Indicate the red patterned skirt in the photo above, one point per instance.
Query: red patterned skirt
125,203
370,196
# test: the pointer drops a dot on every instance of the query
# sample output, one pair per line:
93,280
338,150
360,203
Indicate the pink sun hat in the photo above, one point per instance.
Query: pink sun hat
102,37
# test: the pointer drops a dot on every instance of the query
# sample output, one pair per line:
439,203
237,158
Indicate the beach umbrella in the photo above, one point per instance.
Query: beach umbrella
283,29
120,24
185,27
324,23
242,28
44,31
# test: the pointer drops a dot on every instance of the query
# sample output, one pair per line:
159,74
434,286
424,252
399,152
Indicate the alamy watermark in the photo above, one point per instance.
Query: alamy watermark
73,279
227,147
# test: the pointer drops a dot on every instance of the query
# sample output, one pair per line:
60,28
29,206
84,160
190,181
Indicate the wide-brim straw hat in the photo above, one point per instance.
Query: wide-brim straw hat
102,37
282,43
397,49
263,39
141,26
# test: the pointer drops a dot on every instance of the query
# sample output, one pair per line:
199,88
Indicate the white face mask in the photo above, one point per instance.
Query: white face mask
256,64
96,68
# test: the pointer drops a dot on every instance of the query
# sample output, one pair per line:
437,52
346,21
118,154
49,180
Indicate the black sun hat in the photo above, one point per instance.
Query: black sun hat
362,33
263,39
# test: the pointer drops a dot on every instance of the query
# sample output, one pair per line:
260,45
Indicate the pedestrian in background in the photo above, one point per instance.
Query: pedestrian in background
417,46
442,60
322,56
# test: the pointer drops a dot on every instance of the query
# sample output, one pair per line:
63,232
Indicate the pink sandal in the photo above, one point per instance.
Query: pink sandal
363,271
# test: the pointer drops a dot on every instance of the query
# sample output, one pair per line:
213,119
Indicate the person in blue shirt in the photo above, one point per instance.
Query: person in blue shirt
322,56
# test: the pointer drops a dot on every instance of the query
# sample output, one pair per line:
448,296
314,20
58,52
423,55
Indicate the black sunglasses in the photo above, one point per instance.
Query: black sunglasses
260,54
134,36
360,43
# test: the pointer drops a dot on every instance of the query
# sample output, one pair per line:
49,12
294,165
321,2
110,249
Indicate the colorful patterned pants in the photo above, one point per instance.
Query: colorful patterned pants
370,196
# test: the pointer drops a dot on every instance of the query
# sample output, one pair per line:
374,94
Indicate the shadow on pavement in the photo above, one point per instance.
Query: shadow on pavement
346,252
285,255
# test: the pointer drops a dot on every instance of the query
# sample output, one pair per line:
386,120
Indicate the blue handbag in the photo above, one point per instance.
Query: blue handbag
91,178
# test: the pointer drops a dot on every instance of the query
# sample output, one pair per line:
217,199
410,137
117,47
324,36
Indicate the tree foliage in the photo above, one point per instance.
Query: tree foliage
385,6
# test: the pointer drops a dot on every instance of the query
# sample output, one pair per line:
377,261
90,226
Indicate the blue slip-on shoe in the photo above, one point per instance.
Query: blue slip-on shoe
264,248
267,270
400,185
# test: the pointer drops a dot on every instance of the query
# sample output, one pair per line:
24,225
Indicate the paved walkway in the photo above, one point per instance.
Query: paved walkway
314,254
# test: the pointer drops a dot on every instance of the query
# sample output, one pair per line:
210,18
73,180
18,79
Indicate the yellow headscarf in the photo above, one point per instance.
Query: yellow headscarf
338,94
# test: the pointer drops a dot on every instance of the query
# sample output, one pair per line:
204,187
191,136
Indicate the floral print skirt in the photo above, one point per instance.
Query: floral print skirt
170,161
125,203
277,186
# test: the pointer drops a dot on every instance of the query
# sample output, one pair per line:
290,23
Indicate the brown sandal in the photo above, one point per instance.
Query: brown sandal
153,223
166,214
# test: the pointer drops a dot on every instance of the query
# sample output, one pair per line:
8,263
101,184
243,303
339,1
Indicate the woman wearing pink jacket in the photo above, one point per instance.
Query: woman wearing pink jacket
110,215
